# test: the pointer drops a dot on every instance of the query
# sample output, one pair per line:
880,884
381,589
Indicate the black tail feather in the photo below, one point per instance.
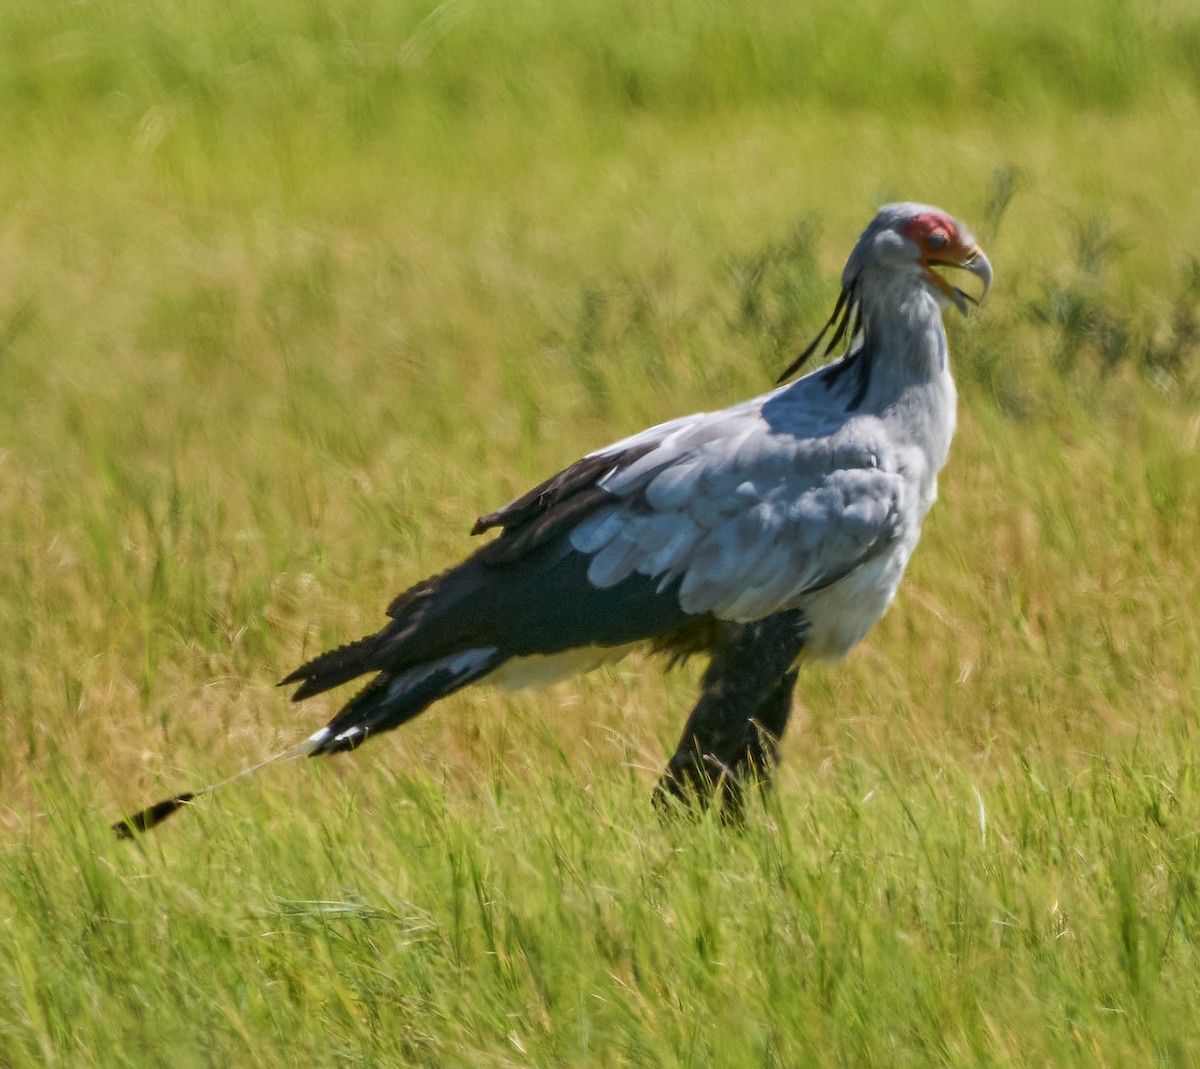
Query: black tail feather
334,667
151,816
391,700
154,815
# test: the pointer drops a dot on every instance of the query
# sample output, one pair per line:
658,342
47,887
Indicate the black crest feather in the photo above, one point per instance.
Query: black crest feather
843,313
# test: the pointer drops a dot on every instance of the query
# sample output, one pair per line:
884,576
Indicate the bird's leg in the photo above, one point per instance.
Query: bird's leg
771,721
732,736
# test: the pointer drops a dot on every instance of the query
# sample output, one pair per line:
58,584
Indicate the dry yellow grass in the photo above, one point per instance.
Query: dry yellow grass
287,297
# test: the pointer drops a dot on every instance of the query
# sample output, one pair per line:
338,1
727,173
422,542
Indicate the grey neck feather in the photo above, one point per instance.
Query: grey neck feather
901,308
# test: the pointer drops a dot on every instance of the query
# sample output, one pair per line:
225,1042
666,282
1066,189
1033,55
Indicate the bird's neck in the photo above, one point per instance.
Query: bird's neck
903,324
909,379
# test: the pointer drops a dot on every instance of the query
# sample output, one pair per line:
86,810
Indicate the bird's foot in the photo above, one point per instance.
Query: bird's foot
693,786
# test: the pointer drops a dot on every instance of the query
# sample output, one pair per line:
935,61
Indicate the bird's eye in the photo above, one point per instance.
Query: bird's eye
938,240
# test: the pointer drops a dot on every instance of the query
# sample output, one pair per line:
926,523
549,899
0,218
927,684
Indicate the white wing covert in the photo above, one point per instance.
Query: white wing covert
745,515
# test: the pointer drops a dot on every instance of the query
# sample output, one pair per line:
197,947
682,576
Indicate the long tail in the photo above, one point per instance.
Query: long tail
155,814
390,699
386,702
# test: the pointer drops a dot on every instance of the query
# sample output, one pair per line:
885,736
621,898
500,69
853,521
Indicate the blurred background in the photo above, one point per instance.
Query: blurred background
291,292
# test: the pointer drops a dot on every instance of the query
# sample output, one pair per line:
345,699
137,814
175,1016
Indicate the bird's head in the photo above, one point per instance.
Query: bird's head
913,239
905,242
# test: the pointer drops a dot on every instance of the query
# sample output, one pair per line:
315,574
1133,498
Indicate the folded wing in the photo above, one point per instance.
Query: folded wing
740,513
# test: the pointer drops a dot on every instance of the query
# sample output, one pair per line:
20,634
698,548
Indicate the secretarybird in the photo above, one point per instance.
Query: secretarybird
767,535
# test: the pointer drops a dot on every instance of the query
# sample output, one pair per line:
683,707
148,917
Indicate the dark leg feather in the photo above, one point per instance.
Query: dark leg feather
732,736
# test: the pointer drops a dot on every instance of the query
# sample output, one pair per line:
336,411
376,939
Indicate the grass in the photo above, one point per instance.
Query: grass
290,294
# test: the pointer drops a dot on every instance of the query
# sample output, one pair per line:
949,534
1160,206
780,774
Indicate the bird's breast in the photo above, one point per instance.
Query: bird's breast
840,615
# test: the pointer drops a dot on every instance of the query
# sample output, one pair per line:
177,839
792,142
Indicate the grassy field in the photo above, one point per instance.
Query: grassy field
291,292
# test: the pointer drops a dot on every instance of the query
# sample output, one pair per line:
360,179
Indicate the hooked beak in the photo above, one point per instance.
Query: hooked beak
974,261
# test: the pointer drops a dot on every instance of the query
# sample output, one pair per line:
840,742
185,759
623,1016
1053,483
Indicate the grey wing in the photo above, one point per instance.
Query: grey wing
745,516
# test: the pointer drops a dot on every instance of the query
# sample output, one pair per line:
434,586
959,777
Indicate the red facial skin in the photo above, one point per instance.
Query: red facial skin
935,234
939,239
